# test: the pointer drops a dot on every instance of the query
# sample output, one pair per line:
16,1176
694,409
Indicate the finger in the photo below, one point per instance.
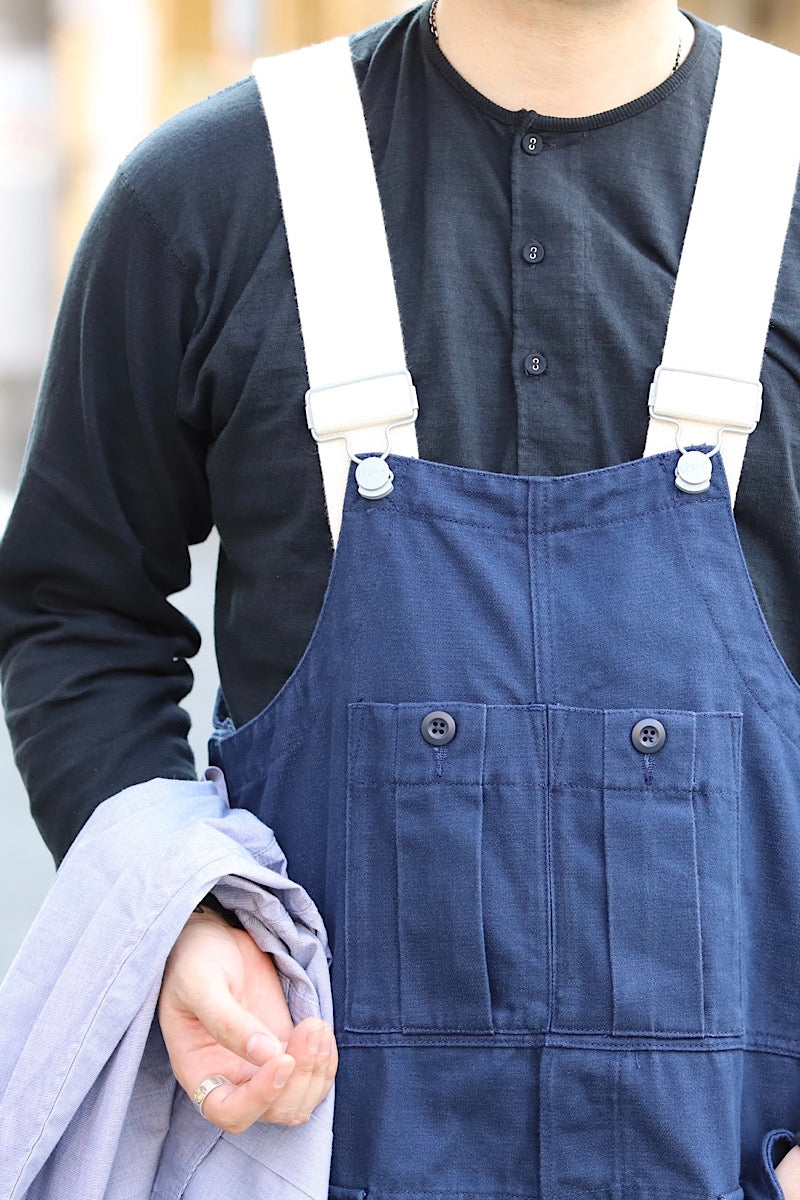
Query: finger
314,1049
320,1047
321,1080
236,1108
234,1027
284,1092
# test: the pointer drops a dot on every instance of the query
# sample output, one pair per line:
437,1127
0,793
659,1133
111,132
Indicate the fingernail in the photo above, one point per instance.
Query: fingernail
261,1048
326,1045
283,1074
313,1040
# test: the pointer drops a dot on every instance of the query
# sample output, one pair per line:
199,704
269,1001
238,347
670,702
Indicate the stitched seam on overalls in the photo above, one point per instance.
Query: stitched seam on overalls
396,865
652,1039
698,893
442,784
348,869
544,632
670,712
749,688
559,1038
497,530
470,1195
766,1043
736,757
480,868
633,515
665,790
619,1147
552,938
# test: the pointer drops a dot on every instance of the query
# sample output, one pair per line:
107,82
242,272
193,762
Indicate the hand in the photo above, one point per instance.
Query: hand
223,1012
788,1173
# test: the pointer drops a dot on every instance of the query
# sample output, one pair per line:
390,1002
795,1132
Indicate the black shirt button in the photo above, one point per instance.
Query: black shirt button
532,143
535,364
533,252
648,736
438,728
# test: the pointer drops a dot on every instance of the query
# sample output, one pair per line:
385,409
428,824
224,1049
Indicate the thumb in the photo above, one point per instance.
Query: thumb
232,1026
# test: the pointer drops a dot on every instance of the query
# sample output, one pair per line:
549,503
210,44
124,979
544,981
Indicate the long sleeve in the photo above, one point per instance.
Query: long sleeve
113,491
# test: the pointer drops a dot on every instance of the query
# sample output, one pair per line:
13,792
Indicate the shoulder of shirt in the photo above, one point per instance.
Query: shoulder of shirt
382,38
213,160
224,137
212,148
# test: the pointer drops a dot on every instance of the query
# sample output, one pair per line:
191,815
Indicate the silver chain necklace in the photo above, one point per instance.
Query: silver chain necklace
435,32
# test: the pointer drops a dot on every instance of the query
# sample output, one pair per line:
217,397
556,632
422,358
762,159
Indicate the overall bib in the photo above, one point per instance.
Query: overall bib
539,766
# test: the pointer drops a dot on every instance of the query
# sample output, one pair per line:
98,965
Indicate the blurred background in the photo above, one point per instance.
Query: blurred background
81,81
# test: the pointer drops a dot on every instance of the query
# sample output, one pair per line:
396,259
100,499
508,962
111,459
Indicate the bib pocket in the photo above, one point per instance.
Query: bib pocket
537,871
446,889
645,870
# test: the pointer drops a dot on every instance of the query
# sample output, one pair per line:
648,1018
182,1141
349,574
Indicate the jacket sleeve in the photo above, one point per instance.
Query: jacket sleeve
113,491
81,1058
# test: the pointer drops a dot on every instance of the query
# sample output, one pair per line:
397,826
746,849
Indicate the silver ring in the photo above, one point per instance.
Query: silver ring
204,1090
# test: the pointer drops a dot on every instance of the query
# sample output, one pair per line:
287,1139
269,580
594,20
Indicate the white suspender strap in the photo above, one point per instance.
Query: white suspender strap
359,387
707,389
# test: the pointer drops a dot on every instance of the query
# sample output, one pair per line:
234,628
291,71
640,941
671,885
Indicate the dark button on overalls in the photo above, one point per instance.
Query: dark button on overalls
539,768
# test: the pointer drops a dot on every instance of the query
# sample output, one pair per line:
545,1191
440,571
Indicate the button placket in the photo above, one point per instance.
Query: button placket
533,252
536,232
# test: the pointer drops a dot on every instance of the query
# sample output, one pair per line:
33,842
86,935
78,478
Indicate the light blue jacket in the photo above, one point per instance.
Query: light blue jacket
89,1107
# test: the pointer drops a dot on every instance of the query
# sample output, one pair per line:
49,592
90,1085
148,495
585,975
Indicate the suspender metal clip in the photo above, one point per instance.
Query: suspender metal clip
364,412
702,407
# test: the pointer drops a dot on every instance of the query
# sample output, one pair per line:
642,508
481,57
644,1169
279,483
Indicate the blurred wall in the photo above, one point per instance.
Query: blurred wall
123,66
28,202
774,20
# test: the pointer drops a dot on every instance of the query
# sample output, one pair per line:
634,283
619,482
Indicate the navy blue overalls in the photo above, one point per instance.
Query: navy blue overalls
539,767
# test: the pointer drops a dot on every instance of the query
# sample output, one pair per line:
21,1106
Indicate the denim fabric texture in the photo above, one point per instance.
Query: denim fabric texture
561,967
89,1107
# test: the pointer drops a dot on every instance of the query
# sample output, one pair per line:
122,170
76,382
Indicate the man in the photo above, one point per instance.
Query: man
534,259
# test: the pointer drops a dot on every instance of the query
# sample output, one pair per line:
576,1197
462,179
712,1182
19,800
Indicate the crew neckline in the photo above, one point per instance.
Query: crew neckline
531,118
